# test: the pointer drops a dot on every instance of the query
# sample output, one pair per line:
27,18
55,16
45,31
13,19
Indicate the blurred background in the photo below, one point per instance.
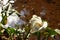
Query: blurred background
49,10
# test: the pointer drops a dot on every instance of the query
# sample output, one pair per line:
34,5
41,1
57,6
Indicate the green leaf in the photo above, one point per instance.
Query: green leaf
4,20
51,31
0,33
10,31
1,28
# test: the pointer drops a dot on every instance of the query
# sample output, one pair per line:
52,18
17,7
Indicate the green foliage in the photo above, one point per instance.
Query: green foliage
51,31
1,28
4,19
10,31
0,33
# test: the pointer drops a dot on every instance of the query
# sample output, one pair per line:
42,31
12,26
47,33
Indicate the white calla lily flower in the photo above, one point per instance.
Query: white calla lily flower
37,24
35,19
14,19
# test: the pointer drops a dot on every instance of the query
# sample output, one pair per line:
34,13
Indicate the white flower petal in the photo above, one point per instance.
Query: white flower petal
35,20
19,30
45,24
34,16
36,23
28,35
5,2
52,36
0,18
40,28
12,1
57,30
0,9
12,20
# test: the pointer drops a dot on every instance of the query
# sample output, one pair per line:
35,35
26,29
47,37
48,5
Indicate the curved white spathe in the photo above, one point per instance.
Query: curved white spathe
35,19
37,24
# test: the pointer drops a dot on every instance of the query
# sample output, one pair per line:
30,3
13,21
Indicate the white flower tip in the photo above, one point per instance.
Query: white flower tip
11,1
34,16
45,24
19,30
52,36
57,30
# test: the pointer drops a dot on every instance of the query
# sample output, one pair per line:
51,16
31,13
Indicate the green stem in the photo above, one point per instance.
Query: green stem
26,35
46,38
38,35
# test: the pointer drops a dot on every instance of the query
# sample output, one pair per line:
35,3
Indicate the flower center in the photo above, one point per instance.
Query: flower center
38,25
